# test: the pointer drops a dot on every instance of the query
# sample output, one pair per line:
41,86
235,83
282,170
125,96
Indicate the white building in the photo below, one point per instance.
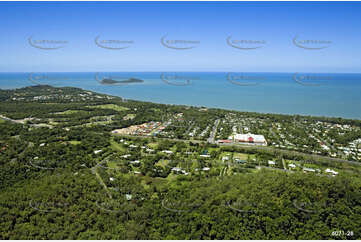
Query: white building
328,170
205,156
167,151
97,151
292,165
249,138
271,162
225,158
325,147
309,169
177,169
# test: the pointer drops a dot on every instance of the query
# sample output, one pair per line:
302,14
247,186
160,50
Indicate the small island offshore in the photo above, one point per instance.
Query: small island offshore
109,81
76,164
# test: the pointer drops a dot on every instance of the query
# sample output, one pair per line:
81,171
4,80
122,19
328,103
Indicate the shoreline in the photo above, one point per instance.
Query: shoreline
308,116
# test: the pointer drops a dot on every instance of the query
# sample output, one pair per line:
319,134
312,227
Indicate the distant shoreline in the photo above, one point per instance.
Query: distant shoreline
325,95
208,107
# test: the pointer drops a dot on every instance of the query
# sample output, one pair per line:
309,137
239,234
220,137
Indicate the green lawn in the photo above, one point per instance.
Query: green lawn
162,163
113,164
110,106
69,112
241,156
75,142
115,146
153,145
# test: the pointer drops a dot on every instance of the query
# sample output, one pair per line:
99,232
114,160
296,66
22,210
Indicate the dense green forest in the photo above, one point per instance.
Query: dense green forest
64,175
267,205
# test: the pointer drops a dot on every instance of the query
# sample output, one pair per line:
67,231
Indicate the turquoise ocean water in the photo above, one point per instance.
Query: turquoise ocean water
326,94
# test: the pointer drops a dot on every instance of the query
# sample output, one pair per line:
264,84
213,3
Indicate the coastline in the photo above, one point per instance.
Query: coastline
275,93
315,117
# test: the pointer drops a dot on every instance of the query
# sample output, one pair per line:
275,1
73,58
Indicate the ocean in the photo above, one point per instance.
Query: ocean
316,94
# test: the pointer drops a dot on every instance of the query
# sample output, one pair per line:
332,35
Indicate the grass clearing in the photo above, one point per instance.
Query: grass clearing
113,164
153,145
68,112
75,142
110,106
116,146
241,156
162,163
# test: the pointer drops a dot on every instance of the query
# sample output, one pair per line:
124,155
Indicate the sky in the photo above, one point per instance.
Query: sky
272,27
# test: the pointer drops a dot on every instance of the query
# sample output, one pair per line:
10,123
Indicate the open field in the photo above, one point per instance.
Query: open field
110,106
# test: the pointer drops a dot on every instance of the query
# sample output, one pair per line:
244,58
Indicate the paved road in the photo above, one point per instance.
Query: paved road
284,164
94,171
22,121
212,136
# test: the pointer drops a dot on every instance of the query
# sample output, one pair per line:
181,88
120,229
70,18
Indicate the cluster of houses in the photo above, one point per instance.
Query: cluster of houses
354,149
151,128
179,170
307,169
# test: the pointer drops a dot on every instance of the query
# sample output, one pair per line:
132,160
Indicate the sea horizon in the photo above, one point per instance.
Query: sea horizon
293,93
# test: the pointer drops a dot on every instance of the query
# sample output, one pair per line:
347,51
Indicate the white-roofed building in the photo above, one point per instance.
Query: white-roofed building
309,169
328,170
249,138
292,165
